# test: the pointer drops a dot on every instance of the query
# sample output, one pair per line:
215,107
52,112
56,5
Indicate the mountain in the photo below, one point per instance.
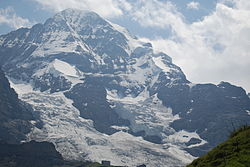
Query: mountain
232,152
102,94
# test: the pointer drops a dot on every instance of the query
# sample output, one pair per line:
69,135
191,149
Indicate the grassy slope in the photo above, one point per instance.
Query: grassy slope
235,152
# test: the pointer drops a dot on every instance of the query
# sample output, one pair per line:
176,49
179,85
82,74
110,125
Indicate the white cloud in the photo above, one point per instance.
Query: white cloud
9,17
106,8
214,49
154,13
193,5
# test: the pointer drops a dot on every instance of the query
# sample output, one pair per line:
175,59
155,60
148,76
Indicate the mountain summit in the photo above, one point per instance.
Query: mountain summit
102,94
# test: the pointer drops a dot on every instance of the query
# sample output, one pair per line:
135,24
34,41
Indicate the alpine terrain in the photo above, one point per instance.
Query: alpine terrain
99,93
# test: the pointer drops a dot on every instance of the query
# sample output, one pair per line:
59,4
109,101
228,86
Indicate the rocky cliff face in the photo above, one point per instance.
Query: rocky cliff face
15,115
96,87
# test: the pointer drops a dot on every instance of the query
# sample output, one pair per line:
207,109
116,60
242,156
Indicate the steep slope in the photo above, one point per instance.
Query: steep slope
96,87
233,152
15,116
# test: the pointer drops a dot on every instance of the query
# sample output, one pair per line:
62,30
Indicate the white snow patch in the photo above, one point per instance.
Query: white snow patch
20,87
189,111
183,136
159,62
248,112
179,153
65,68
60,68
133,43
113,96
121,128
57,42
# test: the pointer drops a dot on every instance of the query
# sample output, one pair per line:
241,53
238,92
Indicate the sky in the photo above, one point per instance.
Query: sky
209,40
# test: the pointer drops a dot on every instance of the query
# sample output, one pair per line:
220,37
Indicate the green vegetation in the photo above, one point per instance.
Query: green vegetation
235,152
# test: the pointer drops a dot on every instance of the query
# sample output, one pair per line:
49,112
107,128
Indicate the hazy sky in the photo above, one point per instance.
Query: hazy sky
209,40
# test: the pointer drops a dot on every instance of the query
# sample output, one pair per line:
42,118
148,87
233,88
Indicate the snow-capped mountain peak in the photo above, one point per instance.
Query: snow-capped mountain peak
101,93
76,19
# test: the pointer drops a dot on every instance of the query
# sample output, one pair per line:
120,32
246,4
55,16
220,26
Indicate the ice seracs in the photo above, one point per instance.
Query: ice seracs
76,138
